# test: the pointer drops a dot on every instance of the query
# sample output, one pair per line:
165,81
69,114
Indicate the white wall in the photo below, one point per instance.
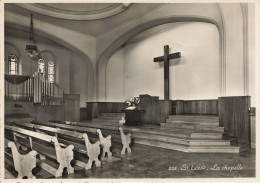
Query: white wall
78,78
251,52
194,76
115,78
234,48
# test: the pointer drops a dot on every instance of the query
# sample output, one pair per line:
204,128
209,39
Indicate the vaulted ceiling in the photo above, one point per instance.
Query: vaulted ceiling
92,19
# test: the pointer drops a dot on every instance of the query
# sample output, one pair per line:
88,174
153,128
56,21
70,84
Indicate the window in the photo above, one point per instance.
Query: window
41,67
51,71
12,59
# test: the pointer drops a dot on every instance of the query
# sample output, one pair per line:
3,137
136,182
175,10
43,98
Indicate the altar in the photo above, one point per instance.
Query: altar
133,117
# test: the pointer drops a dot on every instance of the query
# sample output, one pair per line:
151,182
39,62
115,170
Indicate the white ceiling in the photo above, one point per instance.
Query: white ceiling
90,27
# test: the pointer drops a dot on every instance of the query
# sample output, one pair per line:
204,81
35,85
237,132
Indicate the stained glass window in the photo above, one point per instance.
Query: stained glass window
41,67
13,64
51,71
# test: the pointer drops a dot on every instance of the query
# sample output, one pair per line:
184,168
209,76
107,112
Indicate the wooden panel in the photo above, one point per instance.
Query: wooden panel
164,108
72,107
156,111
83,114
177,107
94,109
204,107
234,117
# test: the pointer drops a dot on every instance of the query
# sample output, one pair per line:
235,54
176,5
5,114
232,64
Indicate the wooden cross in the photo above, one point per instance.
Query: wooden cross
166,59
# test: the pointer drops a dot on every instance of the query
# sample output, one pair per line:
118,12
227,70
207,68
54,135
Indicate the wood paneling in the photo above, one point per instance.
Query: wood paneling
203,107
94,109
177,107
234,116
72,107
156,111
83,114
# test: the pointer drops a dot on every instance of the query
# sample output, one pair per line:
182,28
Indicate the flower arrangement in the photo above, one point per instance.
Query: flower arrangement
133,101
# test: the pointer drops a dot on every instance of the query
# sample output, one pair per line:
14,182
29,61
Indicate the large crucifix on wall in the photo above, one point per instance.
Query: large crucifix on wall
165,58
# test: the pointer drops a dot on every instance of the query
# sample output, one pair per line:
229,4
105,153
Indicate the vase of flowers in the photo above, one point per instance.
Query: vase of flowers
132,102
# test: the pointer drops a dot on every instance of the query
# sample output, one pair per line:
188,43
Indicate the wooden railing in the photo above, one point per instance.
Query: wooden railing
35,89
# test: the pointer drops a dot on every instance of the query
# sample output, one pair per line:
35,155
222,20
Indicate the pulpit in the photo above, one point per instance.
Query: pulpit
133,117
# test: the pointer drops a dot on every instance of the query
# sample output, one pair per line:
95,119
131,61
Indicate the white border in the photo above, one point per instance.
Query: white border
257,93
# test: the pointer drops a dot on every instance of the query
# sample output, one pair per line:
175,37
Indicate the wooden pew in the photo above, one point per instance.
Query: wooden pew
39,172
126,140
92,132
63,156
23,164
91,150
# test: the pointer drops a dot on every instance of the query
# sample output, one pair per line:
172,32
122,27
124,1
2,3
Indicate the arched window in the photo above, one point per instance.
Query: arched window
51,71
41,67
13,69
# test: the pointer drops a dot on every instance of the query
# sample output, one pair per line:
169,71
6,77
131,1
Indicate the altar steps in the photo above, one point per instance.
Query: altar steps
105,122
109,119
200,134
193,126
194,149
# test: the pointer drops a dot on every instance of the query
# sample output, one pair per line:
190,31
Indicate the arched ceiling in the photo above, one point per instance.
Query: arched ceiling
77,11
102,17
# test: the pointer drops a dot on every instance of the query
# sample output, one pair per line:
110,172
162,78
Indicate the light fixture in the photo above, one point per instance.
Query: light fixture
31,48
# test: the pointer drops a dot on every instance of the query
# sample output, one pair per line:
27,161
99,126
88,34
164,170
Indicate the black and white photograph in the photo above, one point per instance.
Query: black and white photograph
129,91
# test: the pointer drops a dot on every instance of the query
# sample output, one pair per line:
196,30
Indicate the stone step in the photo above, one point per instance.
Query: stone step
213,123
165,145
206,135
105,120
216,149
185,141
161,138
165,133
193,126
194,118
110,117
185,148
113,114
209,142
106,123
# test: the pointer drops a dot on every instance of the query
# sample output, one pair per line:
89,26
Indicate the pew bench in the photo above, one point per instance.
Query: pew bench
58,157
92,133
75,138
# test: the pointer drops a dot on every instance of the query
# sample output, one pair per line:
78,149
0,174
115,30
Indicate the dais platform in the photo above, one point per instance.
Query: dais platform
186,133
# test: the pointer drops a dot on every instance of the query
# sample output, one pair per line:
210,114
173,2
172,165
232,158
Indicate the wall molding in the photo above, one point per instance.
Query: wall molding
244,10
222,53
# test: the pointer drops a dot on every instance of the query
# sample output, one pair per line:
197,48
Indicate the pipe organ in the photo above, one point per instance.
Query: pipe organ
36,89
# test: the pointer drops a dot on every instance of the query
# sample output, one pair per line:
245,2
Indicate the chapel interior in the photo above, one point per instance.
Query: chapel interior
129,90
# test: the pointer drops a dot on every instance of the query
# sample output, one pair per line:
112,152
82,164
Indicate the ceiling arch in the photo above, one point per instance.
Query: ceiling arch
76,11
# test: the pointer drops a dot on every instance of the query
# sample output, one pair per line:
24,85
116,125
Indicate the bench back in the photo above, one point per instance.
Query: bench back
37,135
50,129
